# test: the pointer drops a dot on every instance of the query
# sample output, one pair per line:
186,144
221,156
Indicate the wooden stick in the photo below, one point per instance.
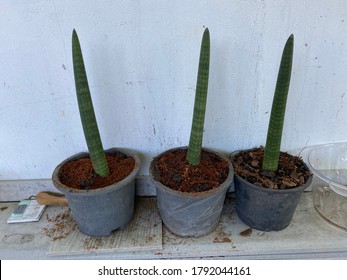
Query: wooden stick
51,198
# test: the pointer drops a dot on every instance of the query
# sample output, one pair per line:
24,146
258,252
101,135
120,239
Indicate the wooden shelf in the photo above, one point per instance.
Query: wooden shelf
307,237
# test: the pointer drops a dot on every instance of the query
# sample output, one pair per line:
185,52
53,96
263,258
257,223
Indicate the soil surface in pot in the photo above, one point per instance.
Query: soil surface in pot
173,170
79,174
291,173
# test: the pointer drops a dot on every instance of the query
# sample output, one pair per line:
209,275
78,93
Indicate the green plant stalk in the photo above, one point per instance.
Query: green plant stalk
89,124
196,134
274,135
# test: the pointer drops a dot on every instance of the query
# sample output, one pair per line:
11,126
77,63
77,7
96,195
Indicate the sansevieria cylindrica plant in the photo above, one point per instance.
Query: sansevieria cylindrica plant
89,124
274,134
196,134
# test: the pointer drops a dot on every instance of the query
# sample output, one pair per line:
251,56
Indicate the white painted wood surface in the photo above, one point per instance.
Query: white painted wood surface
307,237
143,233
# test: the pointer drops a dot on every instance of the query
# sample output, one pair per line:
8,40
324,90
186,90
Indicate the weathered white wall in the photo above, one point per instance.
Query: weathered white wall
141,59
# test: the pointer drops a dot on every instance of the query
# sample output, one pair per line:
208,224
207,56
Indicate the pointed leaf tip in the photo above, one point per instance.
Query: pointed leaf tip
74,35
206,32
291,38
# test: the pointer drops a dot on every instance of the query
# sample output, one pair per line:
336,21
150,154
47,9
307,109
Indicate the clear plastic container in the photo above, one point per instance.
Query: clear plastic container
329,163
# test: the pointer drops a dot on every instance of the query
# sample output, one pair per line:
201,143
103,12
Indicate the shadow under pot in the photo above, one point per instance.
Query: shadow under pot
100,211
263,208
191,214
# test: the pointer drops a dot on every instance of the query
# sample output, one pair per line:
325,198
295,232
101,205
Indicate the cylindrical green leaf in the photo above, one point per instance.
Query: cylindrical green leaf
196,134
274,135
90,127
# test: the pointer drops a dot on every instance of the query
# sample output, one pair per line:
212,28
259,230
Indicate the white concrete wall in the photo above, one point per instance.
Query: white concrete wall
141,59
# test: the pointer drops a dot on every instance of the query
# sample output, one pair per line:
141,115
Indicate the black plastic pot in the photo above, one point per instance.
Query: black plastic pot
266,209
191,214
100,211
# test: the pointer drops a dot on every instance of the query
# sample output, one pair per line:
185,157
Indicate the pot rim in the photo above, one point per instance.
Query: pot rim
118,185
226,184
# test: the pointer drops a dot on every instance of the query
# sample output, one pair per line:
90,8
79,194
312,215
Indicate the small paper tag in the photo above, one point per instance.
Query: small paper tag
27,210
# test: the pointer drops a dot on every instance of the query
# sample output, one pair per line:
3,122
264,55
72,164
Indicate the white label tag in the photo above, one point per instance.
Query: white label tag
27,210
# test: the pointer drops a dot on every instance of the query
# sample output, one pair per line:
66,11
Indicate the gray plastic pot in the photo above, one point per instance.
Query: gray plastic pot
100,211
266,209
191,214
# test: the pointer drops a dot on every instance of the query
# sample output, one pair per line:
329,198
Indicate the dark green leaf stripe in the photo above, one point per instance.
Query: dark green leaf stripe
90,127
196,134
274,136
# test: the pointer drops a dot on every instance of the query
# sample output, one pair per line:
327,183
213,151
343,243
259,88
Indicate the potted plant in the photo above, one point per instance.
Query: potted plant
192,182
268,182
99,185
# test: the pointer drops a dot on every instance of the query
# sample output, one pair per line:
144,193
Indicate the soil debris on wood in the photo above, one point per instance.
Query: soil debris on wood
93,243
247,232
79,174
292,171
63,225
174,171
224,239
220,236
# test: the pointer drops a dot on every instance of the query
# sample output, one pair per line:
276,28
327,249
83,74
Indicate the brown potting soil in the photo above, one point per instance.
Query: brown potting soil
174,171
79,174
291,172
